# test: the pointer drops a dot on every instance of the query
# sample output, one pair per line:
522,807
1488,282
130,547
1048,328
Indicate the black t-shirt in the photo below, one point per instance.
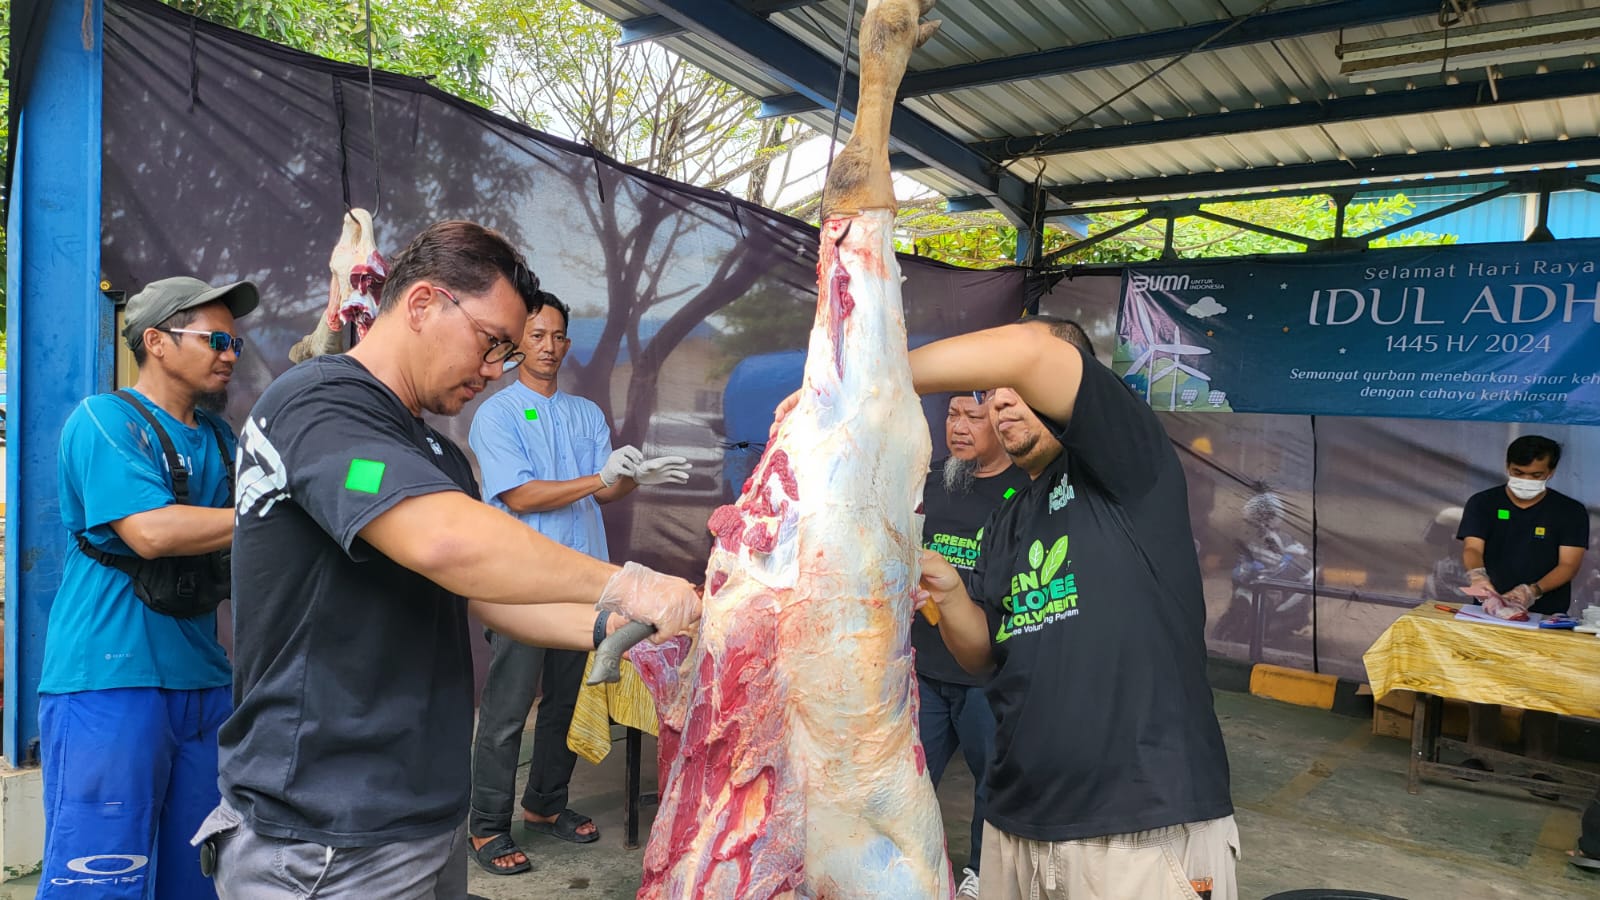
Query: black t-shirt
951,528
1089,577
1521,546
353,675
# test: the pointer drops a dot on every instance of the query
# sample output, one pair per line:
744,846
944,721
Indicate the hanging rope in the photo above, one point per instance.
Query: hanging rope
194,64
344,144
1039,142
372,119
844,70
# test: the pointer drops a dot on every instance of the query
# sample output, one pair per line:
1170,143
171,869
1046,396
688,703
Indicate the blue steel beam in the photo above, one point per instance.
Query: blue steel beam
1400,165
736,30
1299,21
1440,98
654,27
966,203
56,319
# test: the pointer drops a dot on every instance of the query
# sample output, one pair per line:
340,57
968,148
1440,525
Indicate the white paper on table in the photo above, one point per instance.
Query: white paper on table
1474,613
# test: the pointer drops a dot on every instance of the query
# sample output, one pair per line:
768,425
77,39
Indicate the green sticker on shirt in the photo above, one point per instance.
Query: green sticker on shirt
1505,514
532,415
365,475
1010,492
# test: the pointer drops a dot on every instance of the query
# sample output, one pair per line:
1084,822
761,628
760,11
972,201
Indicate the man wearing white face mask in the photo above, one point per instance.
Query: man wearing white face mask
1522,540
1523,544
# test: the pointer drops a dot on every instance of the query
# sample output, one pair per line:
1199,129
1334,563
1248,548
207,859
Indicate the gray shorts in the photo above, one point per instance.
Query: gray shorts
252,866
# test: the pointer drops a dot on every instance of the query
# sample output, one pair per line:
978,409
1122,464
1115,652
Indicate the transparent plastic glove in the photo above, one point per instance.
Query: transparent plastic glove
662,470
645,595
1478,576
1523,595
620,464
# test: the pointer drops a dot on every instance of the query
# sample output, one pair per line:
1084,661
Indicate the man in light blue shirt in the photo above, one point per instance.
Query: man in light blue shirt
546,458
135,684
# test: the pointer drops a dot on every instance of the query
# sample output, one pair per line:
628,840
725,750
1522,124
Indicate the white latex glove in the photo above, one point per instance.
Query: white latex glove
662,470
645,595
620,464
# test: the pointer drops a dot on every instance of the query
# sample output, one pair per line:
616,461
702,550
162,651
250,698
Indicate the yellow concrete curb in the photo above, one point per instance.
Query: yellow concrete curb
1293,686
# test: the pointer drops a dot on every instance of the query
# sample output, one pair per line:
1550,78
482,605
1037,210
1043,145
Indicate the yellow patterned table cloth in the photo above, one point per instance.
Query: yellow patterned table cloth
626,702
1432,652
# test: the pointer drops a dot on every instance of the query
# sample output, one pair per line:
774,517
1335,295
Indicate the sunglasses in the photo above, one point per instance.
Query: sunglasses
218,340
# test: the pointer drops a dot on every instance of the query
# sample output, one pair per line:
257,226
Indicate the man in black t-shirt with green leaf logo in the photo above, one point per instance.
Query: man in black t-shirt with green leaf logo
1086,607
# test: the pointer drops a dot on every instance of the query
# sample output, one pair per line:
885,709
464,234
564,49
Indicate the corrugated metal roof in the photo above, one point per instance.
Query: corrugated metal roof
1298,70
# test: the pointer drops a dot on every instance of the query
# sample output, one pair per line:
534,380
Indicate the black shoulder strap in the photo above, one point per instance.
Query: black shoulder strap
222,447
180,474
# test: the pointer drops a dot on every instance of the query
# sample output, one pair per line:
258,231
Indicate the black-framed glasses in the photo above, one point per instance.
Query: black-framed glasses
218,340
501,352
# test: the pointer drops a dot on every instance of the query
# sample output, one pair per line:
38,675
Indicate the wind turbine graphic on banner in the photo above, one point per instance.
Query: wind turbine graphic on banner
1164,358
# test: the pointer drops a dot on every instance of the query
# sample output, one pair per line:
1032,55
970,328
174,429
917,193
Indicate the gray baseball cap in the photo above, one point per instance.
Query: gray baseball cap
162,299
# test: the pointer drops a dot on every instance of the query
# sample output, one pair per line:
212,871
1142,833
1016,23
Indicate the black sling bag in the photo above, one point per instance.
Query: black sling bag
179,586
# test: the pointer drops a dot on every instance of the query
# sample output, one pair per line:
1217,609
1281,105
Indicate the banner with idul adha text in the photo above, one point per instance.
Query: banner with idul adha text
1498,332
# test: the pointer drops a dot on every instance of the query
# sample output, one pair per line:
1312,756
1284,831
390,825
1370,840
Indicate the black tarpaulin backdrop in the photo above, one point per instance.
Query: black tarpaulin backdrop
229,157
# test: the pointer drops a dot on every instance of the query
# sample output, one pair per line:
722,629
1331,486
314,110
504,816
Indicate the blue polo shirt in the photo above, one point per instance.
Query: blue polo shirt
520,435
100,636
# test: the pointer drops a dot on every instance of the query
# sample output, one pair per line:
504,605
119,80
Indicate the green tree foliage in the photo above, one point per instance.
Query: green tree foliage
431,39
554,65
980,241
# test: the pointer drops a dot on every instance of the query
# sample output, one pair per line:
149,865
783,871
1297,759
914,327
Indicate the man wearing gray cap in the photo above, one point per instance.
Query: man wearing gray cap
134,683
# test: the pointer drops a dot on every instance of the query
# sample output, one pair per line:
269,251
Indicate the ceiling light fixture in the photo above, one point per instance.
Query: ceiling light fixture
1564,34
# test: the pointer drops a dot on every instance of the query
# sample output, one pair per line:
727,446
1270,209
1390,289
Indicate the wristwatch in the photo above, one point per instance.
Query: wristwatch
600,626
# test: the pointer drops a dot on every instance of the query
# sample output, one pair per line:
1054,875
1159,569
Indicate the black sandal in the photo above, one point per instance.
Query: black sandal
500,845
565,827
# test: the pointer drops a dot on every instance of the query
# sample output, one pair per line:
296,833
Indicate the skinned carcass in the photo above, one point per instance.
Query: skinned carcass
356,282
789,755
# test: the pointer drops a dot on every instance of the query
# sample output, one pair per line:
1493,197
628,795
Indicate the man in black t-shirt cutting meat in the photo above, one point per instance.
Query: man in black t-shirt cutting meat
957,500
1521,544
1109,776
345,766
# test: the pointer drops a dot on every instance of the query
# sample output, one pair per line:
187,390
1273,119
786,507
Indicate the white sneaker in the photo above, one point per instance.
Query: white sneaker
969,885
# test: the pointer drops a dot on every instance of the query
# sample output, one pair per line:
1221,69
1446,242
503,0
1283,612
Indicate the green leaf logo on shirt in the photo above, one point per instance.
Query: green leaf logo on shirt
365,476
1036,554
1053,561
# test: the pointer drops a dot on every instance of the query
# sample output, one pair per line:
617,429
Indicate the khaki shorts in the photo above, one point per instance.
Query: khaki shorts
1159,864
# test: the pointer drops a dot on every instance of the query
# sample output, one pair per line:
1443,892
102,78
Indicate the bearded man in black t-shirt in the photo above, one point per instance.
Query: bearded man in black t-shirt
957,499
1109,777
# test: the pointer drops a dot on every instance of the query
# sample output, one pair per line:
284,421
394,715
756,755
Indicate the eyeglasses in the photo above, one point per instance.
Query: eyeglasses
219,340
982,397
501,352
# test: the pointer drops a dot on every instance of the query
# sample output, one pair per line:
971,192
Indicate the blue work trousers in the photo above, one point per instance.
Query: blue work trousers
129,775
957,715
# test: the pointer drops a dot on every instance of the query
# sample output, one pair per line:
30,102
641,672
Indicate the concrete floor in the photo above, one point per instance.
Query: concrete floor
1321,803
